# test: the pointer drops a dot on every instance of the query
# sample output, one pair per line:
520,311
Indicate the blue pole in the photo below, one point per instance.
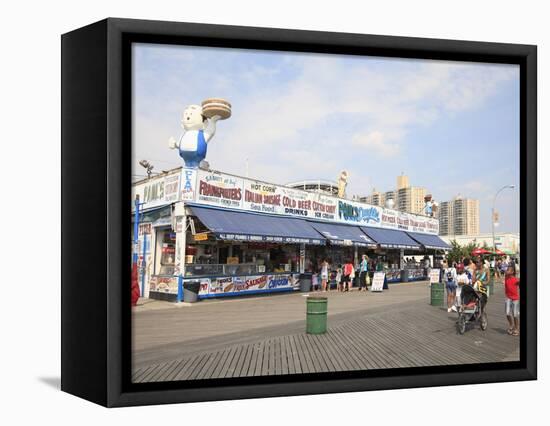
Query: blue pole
136,229
143,265
180,288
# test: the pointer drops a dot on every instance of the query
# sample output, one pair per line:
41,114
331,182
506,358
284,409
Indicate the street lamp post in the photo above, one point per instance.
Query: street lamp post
493,211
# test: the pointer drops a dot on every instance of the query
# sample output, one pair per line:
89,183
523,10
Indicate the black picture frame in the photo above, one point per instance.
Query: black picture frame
96,182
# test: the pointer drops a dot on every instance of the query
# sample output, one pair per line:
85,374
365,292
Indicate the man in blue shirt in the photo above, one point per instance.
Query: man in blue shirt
363,268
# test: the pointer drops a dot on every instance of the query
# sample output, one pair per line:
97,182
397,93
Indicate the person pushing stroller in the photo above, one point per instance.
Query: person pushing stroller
473,300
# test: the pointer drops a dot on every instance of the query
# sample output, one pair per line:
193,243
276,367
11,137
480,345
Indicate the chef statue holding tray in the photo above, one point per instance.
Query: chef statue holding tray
199,125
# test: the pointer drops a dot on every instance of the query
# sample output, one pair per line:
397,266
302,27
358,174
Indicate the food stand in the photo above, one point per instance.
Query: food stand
237,236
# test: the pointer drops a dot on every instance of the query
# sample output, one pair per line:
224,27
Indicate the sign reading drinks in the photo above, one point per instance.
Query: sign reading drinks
268,198
227,191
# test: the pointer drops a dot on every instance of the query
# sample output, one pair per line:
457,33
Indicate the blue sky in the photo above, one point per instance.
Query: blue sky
451,127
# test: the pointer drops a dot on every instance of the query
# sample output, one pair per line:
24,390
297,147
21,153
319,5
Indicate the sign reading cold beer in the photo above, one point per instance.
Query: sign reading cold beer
268,198
228,191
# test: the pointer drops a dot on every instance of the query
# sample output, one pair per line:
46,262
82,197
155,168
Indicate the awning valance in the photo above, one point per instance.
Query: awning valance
343,234
242,226
390,238
430,241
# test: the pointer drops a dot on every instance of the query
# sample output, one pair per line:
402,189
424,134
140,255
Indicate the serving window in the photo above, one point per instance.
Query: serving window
166,251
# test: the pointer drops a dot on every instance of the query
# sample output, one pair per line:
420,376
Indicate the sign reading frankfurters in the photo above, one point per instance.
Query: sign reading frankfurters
229,191
219,189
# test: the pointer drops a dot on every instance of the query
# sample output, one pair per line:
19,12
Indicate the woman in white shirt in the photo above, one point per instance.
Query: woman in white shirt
449,277
324,275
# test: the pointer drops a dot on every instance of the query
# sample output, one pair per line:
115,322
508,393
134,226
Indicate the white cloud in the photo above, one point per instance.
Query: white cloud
377,143
295,119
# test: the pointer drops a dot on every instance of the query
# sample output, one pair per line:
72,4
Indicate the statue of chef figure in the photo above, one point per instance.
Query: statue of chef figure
342,183
198,131
430,208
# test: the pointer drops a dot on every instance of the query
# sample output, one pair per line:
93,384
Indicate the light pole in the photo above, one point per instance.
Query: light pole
493,211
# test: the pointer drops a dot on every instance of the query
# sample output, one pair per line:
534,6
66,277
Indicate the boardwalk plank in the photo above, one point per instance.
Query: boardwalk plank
265,358
296,362
206,370
284,355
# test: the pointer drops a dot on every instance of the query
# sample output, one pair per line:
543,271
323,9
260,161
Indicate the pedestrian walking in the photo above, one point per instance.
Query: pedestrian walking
339,282
470,268
481,277
363,272
462,279
324,275
314,281
449,275
348,271
497,268
511,290
503,267
352,277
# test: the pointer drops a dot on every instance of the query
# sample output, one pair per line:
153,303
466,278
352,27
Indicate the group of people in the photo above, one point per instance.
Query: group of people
344,275
499,266
476,273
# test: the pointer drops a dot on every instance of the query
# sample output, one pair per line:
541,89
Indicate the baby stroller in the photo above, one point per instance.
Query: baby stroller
472,309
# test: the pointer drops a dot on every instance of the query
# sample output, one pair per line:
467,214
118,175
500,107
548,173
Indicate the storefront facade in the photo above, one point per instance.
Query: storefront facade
242,236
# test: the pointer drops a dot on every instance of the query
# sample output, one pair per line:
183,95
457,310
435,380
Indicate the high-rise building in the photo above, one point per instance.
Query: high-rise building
405,198
411,199
376,198
402,181
460,216
390,195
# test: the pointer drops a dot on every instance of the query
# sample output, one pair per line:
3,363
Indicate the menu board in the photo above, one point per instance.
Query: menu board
378,281
434,276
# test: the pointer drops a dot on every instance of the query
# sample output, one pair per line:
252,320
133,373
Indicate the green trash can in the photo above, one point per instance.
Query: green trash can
316,318
437,294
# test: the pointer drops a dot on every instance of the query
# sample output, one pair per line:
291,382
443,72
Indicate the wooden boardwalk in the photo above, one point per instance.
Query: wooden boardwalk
412,336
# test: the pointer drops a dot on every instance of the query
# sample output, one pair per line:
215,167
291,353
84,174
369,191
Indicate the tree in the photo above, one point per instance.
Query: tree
458,252
469,248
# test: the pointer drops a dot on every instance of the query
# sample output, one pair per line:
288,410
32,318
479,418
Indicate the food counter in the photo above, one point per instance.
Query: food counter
225,280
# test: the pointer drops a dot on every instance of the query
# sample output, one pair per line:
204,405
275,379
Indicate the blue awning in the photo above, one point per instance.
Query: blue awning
390,238
430,241
343,234
153,214
242,226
